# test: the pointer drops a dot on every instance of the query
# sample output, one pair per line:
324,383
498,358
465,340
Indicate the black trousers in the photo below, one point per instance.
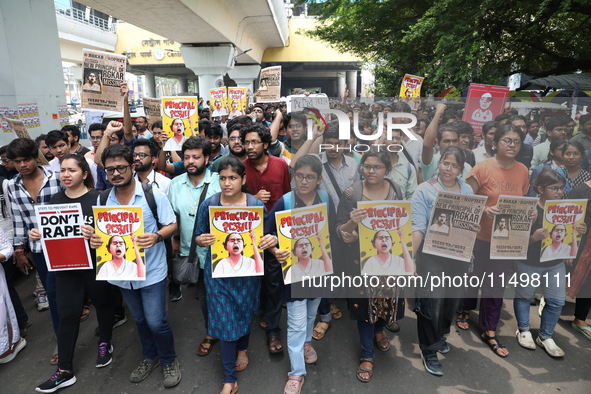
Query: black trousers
274,291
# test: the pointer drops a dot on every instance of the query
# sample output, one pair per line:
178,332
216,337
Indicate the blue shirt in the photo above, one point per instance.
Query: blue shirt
155,257
423,202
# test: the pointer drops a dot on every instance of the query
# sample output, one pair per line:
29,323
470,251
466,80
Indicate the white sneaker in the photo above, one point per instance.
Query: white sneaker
42,303
550,347
526,340
13,351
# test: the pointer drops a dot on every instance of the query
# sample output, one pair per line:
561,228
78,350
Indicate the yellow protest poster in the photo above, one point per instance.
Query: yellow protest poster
119,257
385,238
218,102
236,102
304,231
179,116
237,232
563,219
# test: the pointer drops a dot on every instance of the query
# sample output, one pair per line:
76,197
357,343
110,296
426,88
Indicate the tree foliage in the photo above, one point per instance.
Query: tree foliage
456,42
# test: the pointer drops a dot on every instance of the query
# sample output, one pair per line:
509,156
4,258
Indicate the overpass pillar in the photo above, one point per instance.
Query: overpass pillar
184,84
150,84
341,83
352,83
244,76
210,64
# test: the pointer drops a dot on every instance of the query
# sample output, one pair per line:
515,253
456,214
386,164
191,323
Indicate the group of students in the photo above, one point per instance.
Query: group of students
258,169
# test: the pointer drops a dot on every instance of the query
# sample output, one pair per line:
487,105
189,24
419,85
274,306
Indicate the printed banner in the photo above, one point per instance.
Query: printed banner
63,114
237,232
152,109
21,132
179,117
103,74
385,238
484,103
29,115
450,233
6,112
119,257
299,103
304,232
64,246
236,102
561,218
510,231
269,90
218,102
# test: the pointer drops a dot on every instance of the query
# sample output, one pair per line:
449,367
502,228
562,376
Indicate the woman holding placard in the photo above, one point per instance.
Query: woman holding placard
231,301
72,285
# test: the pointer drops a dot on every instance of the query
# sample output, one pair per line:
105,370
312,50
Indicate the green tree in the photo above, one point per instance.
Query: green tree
456,42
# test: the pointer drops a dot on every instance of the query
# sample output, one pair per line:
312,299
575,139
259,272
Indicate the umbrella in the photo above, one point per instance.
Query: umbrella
581,81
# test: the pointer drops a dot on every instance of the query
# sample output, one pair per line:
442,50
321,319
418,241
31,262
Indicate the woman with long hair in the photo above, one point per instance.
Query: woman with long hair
572,156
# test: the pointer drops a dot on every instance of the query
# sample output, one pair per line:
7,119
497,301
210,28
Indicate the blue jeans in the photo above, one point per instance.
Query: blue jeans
148,308
553,285
366,334
300,324
229,353
48,280
324,310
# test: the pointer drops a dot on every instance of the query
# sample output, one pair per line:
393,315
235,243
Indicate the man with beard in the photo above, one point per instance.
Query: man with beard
43,147
295,125
141,123
145,155
214,134
236,149
184,195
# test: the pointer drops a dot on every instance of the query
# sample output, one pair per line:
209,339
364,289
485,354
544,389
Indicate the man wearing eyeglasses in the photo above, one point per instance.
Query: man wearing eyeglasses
236,149
295,126
145,156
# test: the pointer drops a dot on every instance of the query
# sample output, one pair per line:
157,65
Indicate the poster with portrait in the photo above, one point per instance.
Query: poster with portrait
63,115
304,232
236,102
119,257
385,238
451,230
152,109
237,232
484,103
563,219
61,230
21,131
29,115
510,229
269,90
218,102
103,73
180,116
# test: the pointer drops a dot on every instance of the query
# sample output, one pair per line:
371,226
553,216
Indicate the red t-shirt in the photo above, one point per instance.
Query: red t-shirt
275,179
495,181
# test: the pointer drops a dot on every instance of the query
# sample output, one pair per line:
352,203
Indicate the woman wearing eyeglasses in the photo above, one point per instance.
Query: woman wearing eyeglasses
377,306
499,175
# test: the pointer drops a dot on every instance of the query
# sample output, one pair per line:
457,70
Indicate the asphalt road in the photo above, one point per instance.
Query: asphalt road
470,367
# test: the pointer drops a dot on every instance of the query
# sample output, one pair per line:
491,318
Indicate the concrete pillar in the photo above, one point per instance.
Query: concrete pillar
183,85
341,83
352,83
210,64
30,65
150,84
244,76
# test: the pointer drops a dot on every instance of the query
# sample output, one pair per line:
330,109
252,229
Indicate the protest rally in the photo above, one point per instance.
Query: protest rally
291,235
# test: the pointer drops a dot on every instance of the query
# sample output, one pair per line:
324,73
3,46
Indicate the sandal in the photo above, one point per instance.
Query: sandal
383,344
320,329
336,312
294,385
463,317
85,313
204,351
241,363
233,388
54,359
361,369
495,347
275,345
310,355
263,322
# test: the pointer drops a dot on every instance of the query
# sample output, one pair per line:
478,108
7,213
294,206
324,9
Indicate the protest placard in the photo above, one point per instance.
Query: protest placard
561,218
103,74
180,115
63,114
304,232
152,109
237,232
385,238
236,102
269,90
119,257
21,131
451,232
484,103
510,229
64,246
29,115
218,102
301,102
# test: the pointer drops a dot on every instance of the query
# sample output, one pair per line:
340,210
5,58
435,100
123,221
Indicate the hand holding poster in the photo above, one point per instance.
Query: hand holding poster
564,221
61,230
237,231
103,75
510,232
484,103
218,102
236,102
384,238
451,232
304,232
269,90
119,257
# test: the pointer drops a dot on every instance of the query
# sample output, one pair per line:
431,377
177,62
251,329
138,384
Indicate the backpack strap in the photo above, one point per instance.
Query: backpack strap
335,185
104,196
148,193
436,185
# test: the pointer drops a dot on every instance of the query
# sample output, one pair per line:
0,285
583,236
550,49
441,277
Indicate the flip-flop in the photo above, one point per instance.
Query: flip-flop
275,343
320,330
233,390
586,331
85,313
204,351
242,363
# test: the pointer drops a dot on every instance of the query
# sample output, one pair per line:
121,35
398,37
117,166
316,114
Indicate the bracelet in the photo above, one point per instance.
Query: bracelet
19,251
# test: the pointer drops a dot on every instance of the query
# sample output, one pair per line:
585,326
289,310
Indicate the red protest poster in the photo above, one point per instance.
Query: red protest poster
484,103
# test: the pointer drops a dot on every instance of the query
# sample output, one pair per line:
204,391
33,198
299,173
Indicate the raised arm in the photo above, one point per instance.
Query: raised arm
276,125
112,128
431,134
258,260
127,134
408,265
325,256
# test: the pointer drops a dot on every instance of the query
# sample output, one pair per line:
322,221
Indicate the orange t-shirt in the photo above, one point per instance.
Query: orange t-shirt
495,181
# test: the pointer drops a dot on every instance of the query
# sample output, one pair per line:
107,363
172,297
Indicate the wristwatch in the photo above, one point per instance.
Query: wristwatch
160,239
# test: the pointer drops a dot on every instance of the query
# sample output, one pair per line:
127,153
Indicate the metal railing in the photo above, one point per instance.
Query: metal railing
86,18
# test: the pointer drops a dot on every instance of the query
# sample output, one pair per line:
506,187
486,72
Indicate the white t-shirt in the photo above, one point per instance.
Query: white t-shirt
127,271
393,266
295,273
501,233
245,267
562,252
171,144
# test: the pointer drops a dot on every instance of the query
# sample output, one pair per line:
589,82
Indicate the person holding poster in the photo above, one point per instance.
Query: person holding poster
550,186
377,306
436,309
146,299
73,285
301,312
231,301
500,175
